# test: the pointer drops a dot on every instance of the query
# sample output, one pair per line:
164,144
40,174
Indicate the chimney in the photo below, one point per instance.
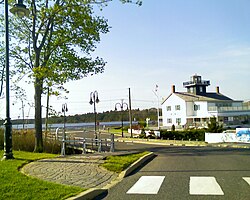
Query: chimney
173,88
217,90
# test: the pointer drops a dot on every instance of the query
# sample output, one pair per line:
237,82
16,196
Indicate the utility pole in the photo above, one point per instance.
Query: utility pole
158,110
130,113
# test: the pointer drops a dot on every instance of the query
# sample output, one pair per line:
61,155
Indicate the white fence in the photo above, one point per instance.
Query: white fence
242,135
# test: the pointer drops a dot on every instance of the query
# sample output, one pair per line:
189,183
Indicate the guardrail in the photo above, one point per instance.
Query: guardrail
87,144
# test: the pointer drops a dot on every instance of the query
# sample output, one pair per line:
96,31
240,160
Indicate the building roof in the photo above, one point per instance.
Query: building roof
206,97
213,96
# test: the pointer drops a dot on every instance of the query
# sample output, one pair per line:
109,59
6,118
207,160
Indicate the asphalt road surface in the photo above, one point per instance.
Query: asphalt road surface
188,173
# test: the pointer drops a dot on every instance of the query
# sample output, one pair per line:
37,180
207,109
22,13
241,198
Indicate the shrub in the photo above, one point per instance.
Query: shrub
142,124
1,138
214,126
173,128
25,141
185,135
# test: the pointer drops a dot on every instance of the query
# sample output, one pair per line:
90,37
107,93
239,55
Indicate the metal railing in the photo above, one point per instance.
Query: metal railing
196,82
84,144
230,108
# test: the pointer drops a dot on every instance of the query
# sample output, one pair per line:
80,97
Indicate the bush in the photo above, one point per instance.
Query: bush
1,138
196,134
214,126
25,141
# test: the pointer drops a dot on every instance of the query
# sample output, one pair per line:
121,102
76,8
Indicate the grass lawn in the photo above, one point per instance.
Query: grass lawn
120,163
15,185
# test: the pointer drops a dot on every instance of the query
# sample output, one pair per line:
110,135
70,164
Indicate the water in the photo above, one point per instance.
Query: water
73,125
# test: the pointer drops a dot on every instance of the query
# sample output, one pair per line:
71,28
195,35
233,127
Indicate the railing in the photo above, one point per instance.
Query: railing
195,82
84,144
232,108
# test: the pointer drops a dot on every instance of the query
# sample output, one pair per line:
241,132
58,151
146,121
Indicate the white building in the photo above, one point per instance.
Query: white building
195,107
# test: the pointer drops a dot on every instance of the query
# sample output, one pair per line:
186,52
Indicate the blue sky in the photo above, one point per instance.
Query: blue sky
164,42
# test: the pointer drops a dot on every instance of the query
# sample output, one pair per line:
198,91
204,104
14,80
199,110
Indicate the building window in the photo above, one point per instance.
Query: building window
169,120
196,107
168,108
178,120
201,89
177,107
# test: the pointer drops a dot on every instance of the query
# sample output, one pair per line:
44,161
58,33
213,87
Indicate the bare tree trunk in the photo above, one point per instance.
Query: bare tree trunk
38,116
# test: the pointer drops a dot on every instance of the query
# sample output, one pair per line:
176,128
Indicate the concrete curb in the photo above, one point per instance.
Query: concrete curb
242,146
95,192
136,165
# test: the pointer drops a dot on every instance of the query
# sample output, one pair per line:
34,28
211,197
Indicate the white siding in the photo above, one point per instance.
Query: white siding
174,114
190,108
203,111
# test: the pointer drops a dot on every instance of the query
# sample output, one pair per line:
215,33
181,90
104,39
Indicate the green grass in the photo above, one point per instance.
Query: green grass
15,185
120,163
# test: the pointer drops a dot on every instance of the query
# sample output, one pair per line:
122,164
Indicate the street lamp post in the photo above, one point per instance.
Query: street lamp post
64,110
20,10
93,100
121,105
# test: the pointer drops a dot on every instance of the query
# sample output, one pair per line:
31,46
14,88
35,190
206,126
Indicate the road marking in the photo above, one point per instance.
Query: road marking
147,185
204,186
247,179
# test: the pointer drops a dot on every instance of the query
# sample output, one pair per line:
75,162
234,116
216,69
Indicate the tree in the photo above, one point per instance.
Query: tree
214,126
54,46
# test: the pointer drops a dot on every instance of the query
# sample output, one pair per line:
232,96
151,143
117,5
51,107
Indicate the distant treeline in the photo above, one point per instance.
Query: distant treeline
108,116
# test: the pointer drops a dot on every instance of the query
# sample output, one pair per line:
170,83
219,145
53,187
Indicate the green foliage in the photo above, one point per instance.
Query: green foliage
196,134
1,138
120,163
173,128
107,116
214,126
142,124
54,45
15,185
25,141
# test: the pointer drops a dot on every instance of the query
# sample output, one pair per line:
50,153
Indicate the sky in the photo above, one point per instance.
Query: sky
164,43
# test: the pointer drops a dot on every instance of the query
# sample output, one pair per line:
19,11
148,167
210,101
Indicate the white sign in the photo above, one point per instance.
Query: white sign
242,135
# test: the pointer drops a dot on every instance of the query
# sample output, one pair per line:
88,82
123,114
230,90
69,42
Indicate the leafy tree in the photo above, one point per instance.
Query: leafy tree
214,126
54,45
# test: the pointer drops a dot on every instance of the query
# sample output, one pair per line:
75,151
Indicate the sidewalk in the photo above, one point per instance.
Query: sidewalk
76,170
82,171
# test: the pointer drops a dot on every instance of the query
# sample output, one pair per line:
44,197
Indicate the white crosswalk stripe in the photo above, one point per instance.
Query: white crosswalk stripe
204,186
147,185
198,185
247,179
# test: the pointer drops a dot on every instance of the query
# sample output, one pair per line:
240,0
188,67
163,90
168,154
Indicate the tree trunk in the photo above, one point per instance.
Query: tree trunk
47,112
38,116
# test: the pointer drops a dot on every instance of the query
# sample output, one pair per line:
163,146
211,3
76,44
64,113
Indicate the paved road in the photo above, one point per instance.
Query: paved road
189,173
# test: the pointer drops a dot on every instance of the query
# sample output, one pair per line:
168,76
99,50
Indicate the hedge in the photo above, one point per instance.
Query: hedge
196,134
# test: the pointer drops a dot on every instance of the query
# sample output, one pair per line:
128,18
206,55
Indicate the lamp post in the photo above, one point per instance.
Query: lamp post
121,105
64,110
93,100
20,10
